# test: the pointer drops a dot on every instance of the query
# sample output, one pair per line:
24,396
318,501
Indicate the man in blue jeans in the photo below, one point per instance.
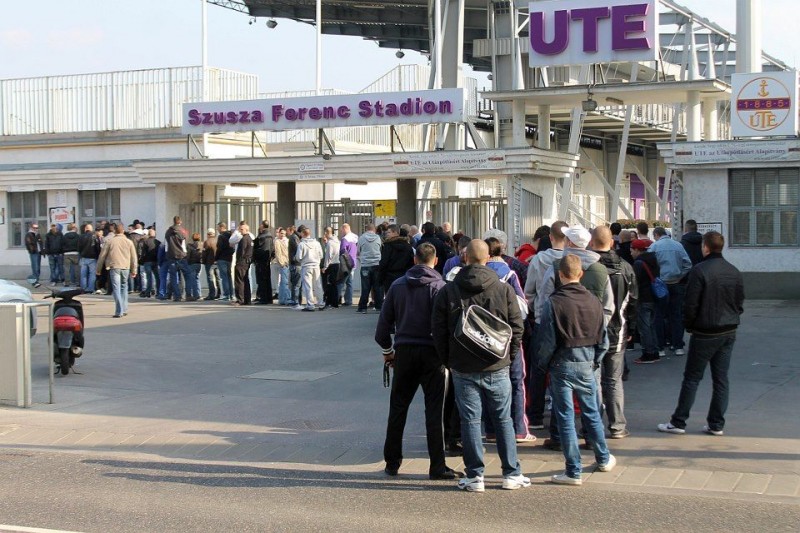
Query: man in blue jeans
479,383
33,243
572,345
369,258
714,303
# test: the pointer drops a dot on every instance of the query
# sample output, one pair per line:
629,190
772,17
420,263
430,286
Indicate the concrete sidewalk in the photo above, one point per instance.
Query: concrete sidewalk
210,383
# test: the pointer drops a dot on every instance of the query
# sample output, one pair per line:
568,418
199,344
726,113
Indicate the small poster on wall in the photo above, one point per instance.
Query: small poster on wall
62,215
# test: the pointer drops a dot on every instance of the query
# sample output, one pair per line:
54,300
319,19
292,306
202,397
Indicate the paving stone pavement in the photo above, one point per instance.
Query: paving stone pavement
143,393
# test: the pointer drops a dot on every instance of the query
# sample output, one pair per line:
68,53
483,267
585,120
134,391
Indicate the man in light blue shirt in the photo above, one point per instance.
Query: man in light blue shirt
674,263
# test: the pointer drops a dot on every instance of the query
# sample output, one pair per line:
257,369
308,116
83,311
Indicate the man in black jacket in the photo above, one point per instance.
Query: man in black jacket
692,241
175,239
147,250
224,258
406,311
397,257
89,250
645,266
244,257
714,302
479,384
72,269
34,246
54,250
620,328
429,235
263,252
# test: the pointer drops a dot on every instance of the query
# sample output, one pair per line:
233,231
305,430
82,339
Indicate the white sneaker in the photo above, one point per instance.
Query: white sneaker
472,484
516,482
609,466
715,432
297,307
679,352
662,353
669,428
564,479
527,439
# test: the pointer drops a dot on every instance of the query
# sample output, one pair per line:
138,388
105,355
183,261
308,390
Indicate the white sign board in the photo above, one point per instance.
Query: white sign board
62,215
332,111
736,152
449,161
764,104
705,227
583,32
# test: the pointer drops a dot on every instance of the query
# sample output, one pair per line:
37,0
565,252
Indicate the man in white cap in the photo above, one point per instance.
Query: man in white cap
595,275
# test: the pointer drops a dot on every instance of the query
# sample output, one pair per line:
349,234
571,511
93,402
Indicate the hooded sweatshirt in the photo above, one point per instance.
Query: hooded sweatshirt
309,253
536,271
369,250
693,244
588,258
477,285
397,257
408,306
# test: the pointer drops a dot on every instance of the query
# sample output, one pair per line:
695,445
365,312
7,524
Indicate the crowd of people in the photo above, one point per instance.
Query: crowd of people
568,306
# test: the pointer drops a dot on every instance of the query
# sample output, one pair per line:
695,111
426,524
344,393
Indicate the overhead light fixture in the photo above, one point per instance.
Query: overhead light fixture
490,77
327,157
399,54
589,104
271,23
252,20
355,182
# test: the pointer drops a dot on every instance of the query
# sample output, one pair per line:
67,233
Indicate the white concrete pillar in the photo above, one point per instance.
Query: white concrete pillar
694,125
518,123
543,139
710,117
748,35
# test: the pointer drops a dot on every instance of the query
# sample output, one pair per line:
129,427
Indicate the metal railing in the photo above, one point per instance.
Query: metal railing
107,101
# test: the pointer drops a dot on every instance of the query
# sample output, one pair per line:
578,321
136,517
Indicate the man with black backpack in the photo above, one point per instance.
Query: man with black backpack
620,328
263,252
224,259
481,380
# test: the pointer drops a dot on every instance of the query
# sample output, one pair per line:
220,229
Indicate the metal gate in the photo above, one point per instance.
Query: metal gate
531,215
357,213
470,216
199,216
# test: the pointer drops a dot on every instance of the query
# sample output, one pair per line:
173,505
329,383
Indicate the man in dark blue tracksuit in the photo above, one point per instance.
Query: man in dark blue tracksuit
407,310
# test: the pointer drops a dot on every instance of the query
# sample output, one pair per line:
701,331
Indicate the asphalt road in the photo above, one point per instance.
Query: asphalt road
101,494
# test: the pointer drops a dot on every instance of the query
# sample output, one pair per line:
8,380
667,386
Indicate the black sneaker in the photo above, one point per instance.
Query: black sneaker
553,445
446,474
619,434
391,470
454,449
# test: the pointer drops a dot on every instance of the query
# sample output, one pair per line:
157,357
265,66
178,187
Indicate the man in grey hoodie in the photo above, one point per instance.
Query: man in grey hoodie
539,264
369,257
309,255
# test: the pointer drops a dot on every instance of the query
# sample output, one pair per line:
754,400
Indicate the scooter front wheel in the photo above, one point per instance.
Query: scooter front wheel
64,355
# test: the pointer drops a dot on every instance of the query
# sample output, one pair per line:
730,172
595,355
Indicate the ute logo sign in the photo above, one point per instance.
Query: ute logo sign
765,104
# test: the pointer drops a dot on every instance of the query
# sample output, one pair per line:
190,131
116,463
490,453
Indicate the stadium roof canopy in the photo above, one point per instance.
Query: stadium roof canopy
405,25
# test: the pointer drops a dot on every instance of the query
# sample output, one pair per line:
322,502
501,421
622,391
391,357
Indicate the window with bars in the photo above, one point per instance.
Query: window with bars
764,207
97,206
25,208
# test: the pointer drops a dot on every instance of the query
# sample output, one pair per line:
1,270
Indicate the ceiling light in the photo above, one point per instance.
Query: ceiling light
399,54
271,23
589,104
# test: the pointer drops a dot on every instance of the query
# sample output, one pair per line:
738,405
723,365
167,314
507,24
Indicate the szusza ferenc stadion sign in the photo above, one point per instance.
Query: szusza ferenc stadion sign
337,111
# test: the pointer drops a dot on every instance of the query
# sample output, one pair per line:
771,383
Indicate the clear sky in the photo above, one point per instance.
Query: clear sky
51,37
